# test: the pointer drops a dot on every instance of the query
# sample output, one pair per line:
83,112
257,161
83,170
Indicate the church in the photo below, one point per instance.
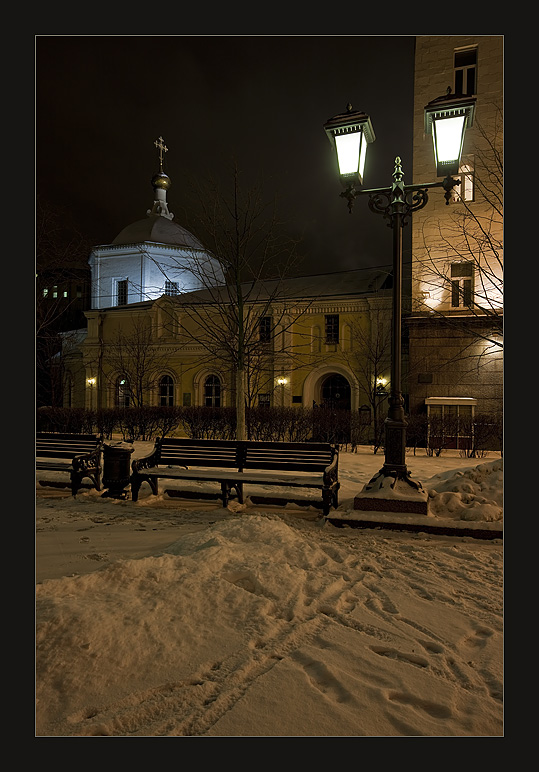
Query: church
157,328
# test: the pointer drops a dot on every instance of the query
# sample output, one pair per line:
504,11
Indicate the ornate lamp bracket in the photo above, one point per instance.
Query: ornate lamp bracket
399,198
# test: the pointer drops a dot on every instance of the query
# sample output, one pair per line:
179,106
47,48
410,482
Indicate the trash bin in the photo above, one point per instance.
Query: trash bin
116,469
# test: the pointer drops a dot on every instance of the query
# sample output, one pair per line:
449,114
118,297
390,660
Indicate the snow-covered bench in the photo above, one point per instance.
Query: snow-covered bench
235,464
79,455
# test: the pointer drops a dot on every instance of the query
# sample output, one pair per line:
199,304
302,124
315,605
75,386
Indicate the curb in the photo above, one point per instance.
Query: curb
442,530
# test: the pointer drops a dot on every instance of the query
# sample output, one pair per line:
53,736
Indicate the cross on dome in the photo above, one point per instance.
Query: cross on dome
159,143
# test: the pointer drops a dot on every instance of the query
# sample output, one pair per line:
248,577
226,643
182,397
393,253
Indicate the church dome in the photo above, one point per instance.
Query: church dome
159,230
161,180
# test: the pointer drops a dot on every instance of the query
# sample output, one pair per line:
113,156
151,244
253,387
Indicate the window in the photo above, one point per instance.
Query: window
212,391
263,400
265,329
171,288
461,284
332,328
166,391
121,293
465,64
45,292
123,398
464,191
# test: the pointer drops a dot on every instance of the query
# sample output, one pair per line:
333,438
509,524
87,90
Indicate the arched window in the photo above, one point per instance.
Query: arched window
212,391
123,394
166,391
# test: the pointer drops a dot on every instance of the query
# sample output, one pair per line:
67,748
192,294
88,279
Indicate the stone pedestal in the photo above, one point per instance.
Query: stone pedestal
393,491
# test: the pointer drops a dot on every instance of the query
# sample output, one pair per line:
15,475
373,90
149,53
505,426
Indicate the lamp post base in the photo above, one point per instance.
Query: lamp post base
392,490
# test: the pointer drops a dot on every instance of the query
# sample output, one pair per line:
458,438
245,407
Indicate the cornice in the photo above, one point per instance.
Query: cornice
102,249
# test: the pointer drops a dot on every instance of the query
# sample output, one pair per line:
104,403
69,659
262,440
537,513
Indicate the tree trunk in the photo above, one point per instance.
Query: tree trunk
241,431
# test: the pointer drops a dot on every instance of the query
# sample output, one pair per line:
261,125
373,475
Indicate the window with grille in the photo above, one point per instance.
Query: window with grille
265,329
171,288
332,328
263,400
121,293
123,397
461,284
465,64
212,391
166,391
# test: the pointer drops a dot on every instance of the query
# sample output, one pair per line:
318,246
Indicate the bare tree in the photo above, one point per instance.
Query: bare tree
61,264
369,358
134,362
239,321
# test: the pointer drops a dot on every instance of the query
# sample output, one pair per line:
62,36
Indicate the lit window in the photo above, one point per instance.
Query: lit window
332,328
45,293
212,391
123,392
464,191
465,64
171,288
462,276
166,391
65,293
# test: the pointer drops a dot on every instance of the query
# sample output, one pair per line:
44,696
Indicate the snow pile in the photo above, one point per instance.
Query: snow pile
167,618
469,494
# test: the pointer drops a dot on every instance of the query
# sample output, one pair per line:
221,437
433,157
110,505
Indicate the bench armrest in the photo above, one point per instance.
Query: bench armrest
145,462
331,472
86,460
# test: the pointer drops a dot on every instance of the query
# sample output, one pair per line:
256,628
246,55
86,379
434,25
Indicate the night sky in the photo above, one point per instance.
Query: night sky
102,101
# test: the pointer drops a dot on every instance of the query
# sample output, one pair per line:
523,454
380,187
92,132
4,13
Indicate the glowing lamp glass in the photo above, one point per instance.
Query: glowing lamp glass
350,133
348,152
447,136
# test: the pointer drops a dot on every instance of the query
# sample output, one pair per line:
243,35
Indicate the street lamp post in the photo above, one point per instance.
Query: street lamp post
392,489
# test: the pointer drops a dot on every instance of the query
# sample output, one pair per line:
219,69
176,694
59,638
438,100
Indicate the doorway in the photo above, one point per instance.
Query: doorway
335,392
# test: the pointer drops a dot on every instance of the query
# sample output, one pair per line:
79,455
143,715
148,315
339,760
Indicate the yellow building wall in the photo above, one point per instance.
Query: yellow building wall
298,353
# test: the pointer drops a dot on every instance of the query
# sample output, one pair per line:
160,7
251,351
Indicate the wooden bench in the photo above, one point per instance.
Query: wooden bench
77,454
235,464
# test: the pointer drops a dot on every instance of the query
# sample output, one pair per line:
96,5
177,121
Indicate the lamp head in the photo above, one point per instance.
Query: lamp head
446,119
350,133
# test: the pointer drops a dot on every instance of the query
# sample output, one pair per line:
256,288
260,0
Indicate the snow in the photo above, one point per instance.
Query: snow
176,617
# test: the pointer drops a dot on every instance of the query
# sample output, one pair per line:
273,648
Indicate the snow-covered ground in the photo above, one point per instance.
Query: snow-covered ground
174,617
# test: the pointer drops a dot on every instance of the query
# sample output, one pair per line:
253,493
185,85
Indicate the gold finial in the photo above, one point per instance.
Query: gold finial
162,149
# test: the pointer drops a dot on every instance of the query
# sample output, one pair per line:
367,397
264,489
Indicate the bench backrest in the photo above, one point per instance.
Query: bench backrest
291,456
232,454
52,445
189,452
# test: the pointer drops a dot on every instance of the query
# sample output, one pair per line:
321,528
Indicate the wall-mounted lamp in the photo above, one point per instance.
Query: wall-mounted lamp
282,381
91,381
